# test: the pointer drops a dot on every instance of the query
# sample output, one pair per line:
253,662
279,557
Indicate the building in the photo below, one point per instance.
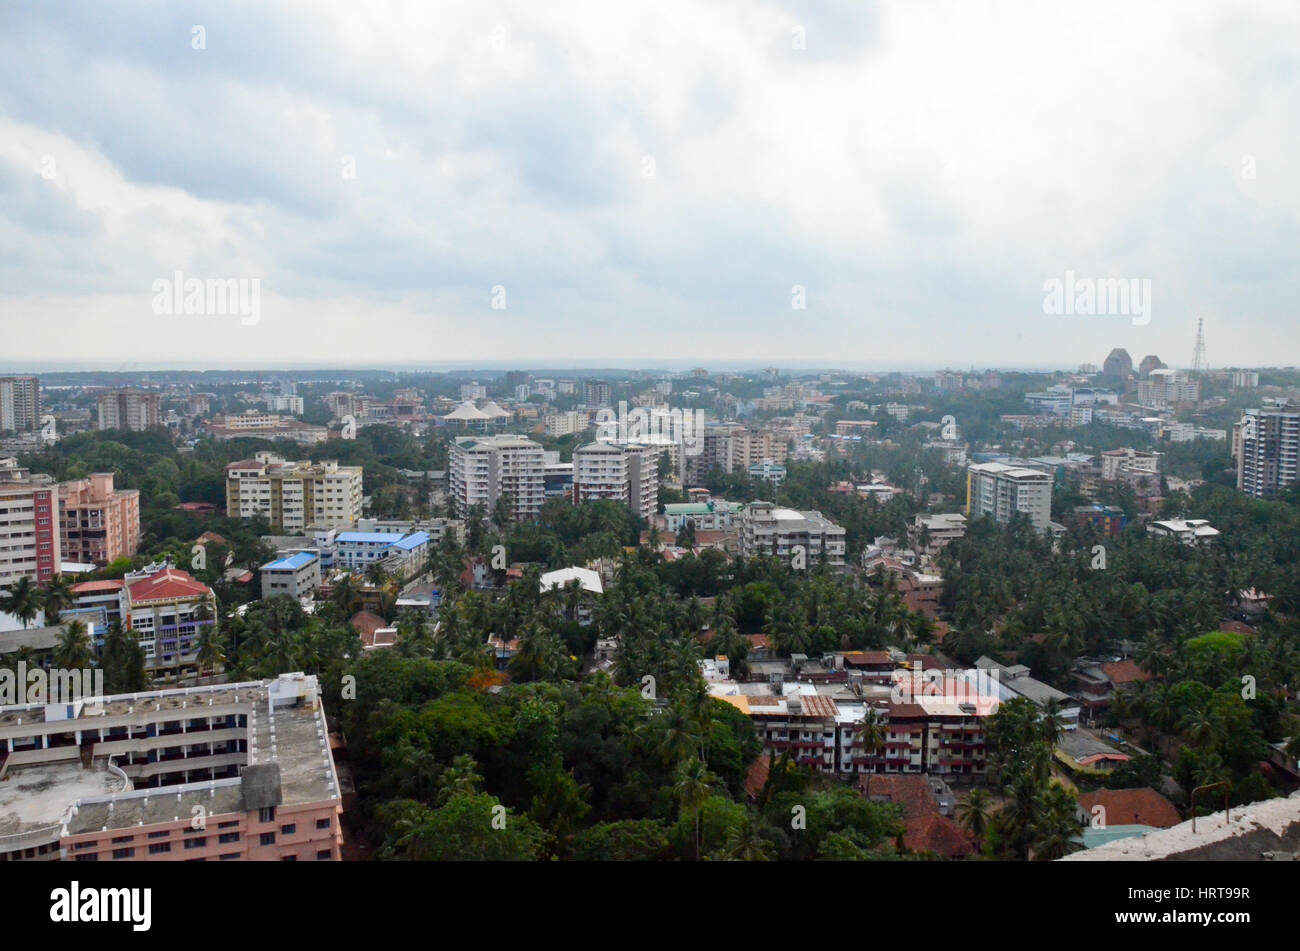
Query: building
1001,491
297,575
1268,451
711,516
766,529
266,426
485,469
1105,519
1117,363
596,393
627,473
294,495
1189,531
165,608
1116,462
773,473
98,523
1168,388
284,403
930,534
1015,681
399,554
213,773
1245,379
30,541
133,410
20,404
566,423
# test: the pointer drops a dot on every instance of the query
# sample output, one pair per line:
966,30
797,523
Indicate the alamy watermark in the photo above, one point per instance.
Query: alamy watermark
1092,297
652,425
210,297
21,685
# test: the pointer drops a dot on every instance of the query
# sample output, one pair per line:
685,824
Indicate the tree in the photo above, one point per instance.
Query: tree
973,813
73,649
58,595
22,600
871,739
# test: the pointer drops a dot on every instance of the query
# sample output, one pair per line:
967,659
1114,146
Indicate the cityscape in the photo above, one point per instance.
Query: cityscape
820,434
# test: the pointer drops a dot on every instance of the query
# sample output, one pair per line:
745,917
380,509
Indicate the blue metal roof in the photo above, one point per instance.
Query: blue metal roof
290,563
412,541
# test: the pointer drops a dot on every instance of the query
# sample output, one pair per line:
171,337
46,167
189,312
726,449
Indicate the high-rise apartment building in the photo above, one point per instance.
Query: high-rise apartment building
1269,449
239,771
133,410
29,525
623,473
1001,491
294,495
20,404
98,523
485,468
596,393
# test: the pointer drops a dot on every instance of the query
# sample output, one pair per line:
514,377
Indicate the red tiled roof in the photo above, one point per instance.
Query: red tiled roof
1132,807
756,776
1124,672
937,835
758,640
366,623
97,587
867,658
167,585
910,790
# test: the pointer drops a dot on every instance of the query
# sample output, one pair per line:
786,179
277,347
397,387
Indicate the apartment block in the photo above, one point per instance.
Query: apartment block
767,529
1268,451
623,473
164,608
1000,492
297,575
228,772
1114,462
20,404
98,523
483,469
294,495
132,410
30,544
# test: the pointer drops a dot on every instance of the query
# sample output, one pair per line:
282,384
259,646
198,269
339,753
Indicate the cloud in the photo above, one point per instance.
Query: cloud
649,180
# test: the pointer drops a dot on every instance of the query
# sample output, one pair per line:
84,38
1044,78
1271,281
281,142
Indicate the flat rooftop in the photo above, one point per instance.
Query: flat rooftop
292,735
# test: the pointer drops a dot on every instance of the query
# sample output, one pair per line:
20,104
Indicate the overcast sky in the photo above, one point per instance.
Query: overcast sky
648,181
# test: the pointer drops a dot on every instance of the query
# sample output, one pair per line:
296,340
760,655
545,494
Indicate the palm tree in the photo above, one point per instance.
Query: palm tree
871,739
1053,720
973,814
72,651
58,595
209,647
22,600
692,786
745,842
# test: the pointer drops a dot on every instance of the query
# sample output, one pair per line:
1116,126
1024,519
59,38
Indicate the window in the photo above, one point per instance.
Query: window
158,848
324,855
196,843
123,853
228,837
85,845
266,814
324,823
159,835
228,856
267,838
289,829
122,838
227,825
289,858
91,857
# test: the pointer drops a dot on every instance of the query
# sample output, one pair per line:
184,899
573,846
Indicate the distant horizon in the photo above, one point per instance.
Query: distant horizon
584,367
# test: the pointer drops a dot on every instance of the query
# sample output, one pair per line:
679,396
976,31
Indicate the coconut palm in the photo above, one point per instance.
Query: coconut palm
692,785
72,651
871,730
58,595
973,814
22,600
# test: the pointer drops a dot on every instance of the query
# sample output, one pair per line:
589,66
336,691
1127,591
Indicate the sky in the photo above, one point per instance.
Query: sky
857,184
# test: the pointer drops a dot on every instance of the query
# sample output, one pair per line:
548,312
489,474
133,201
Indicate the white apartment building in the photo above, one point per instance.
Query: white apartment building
766,529
1268,449
1163,387
1001,491
294,495
284,403
565,424
133,410
1114,462
30,544
20,404
622,473
484,468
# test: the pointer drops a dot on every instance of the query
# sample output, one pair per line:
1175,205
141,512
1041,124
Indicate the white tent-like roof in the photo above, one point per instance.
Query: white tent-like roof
467,411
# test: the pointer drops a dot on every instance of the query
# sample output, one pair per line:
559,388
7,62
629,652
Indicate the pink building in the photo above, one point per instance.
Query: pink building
97,523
